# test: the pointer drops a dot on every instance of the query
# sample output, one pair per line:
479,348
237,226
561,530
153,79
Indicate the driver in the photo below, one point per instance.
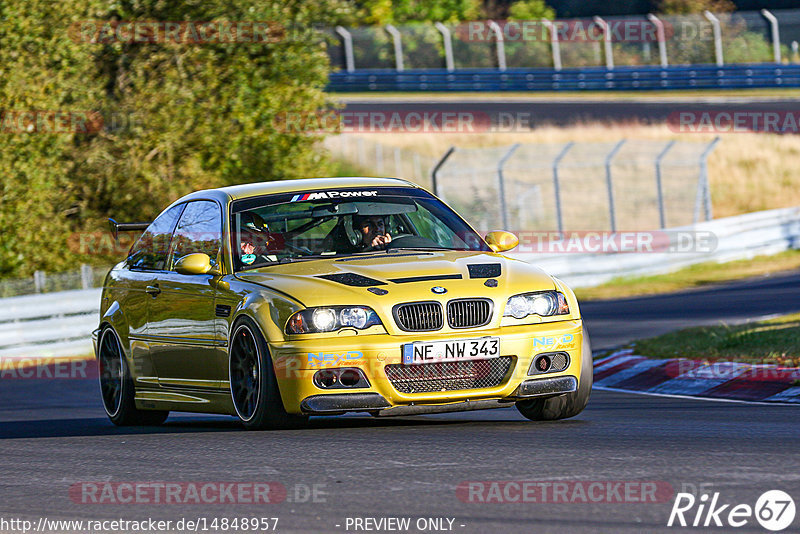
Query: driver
373,232
256,239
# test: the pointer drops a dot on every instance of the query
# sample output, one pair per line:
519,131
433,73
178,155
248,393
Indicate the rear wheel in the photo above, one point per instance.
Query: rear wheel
254,387
116,385
569,404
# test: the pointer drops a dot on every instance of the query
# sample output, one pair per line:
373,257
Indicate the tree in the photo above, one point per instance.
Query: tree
177,116
689,7
531,10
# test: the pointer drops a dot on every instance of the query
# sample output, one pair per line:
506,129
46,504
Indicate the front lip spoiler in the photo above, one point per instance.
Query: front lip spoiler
547,387
375,404
341,403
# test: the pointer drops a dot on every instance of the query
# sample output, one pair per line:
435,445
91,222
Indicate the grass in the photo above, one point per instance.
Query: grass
693,94
747,171
774,341
694,276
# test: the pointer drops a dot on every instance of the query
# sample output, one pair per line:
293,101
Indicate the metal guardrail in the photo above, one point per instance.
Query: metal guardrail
739,237
588,78
740,37
49,324
60,324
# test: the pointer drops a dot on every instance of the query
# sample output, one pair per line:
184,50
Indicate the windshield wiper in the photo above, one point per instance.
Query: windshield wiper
390,248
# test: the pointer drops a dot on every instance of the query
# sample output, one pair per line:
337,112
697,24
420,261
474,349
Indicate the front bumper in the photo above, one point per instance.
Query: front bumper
296,362
335,404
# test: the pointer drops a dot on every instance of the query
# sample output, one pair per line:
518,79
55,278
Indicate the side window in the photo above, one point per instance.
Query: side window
199,230
150,252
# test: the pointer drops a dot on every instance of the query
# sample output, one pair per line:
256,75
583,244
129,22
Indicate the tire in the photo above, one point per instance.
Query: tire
254,387
568,404
116,385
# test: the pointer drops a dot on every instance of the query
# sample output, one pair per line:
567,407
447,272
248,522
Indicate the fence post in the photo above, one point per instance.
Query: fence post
717,37
360,151
556,185
706,192
555,46
417,168
347,39
502,186
86,276
398,47
776,38
662,218
435,171
447,40
499,44
39,279
661,35
379,158
398,171
610,185
608,51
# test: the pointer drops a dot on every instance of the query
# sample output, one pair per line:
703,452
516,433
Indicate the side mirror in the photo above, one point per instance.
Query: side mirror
500,241
197,263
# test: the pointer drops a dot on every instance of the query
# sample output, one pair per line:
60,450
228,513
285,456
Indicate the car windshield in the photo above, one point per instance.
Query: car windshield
319,224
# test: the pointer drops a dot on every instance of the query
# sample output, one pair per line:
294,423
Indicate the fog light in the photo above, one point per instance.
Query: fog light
349,378
326,378
543,364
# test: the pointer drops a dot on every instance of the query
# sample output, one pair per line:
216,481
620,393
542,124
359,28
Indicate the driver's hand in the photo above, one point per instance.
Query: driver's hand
381,241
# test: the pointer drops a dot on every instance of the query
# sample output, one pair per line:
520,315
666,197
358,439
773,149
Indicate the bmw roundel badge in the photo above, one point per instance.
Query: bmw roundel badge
439,290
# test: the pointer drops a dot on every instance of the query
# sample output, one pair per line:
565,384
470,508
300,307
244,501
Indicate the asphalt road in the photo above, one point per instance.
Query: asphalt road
612,323
532,112
54,435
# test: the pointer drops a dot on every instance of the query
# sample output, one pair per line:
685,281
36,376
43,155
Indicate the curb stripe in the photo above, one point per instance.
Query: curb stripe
683,377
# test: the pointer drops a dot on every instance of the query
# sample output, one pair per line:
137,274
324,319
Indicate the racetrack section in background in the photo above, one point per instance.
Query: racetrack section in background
569,112
613,323
624,370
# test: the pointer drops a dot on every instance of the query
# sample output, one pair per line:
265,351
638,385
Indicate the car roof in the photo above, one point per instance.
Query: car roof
234,192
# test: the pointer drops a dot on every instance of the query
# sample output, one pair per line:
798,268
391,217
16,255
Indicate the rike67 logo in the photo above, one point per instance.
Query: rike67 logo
774,510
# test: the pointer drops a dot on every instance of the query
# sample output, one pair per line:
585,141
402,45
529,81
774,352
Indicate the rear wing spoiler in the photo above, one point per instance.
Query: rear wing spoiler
117,227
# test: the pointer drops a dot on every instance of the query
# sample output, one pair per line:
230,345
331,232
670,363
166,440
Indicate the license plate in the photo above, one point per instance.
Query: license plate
451,351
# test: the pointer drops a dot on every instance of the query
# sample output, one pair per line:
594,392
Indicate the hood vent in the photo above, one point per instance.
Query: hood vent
484,270
352,279
425,278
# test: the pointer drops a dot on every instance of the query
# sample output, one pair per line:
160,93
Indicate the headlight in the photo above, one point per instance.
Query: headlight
544,304
330,319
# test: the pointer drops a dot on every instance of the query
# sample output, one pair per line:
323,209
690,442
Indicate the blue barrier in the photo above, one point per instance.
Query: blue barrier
583,79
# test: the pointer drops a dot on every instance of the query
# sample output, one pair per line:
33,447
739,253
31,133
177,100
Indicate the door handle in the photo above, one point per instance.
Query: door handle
152,290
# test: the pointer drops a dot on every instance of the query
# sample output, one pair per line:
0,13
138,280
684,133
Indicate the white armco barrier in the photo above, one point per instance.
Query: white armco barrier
60,324
721,240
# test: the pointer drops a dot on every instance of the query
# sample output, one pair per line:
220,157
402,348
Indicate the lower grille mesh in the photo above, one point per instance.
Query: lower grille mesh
448,376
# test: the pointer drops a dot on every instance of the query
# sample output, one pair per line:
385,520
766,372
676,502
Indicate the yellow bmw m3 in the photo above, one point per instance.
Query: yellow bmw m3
277,301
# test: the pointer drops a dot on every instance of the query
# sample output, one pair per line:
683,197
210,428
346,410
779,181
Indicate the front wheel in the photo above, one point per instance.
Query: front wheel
116,385
254,387
568,404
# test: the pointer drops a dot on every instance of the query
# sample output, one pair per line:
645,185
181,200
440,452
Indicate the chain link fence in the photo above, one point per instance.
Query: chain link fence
721,38
84,278
622,185
616,185
381,160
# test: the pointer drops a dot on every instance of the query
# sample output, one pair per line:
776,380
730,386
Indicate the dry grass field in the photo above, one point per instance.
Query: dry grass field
747,171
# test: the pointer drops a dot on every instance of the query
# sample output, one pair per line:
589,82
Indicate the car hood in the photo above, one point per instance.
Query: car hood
405,276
